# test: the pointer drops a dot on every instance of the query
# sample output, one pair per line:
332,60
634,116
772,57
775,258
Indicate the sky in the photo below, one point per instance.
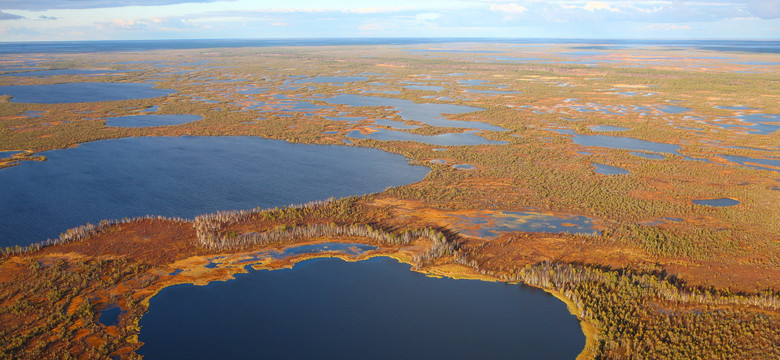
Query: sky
71,20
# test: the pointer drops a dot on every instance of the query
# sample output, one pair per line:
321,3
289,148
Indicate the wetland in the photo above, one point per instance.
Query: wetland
539,200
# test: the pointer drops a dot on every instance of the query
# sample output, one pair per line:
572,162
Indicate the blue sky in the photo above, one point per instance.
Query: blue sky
50,20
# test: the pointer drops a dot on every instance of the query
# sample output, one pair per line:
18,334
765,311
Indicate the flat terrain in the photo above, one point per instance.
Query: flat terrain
588,173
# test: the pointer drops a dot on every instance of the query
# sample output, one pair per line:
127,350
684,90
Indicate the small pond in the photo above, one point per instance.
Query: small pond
490,225
328,80
735,107
607,128
626,143
151,120
456,139
424,87
373,309
110,316
427,113
671,109
722,202
605,169
493,92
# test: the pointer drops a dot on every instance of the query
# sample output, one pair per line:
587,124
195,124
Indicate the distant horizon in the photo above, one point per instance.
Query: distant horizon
765,46
399,38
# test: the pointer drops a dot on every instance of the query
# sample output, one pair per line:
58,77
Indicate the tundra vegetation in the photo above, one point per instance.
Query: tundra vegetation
663,277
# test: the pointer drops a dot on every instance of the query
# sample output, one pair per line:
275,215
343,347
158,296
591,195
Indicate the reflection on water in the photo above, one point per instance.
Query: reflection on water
457,139
373,309
110,316
669,109
352,249
755,163
492,224
722,202
81,92
609,170
427,113
328,80
607,128
151,120
58,72
113,179
760,124
625,143
424,87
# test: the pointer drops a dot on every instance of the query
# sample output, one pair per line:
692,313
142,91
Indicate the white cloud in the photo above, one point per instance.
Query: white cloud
37,5
427,16
508,8
599,5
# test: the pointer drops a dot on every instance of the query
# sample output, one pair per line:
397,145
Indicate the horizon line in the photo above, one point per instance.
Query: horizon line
399,38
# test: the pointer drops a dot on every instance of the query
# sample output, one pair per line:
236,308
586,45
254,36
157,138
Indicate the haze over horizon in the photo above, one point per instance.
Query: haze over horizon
53,20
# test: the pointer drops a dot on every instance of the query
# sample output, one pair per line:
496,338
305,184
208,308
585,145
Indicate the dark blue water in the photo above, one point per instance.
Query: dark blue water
182,176
110,316
374,309
81,92
151,120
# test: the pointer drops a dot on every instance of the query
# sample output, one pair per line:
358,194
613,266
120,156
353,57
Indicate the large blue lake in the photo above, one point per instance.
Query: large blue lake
81,92
182,176
374,309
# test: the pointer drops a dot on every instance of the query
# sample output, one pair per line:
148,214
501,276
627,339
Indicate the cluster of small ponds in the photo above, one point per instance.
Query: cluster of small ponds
138,176
490,225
